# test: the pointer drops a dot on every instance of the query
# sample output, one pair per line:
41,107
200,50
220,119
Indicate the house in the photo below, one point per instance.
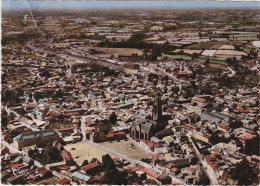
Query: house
156,158
17,166
80,178
161,179
91,168
35,138
63,181
149,145
45,173
68,158
201,136
250,143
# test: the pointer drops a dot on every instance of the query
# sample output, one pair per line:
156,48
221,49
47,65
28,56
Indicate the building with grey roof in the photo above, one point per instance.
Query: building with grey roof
43,137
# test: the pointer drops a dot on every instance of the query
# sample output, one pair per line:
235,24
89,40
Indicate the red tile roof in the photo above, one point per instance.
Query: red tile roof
170,110
242,110
117,159
71,114
54,101
193,168
189,127
181,73
90,166
224,127
135,168
17,165
54,113
210,160
63,181
157,156
151,173
44,171
28,106
15,120
89,122
15,154
207,136
48,89
199,99
247,136
66,155
64,129
150,143
174,169
131,111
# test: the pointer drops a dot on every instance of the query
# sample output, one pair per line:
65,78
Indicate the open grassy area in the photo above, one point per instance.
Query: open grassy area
127,148
242,35
115,28
189,58
121,51
219,61
184,57
207,45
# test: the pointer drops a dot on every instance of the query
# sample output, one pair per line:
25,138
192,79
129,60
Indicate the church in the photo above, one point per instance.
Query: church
145,129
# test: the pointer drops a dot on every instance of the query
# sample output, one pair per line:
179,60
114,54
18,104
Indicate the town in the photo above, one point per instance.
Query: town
135,97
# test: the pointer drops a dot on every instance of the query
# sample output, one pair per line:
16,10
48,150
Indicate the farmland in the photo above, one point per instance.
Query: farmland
121,51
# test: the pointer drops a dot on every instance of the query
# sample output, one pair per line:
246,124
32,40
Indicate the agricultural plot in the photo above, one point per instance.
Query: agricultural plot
81,152
242,35
229,53
208,52
127,148
207,45
184,57
226,47
187,51
256,44
246,39
121,51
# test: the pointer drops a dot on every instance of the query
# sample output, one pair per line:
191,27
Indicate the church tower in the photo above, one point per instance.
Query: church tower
157,107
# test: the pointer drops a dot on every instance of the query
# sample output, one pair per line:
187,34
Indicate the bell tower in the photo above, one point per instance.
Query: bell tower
157,107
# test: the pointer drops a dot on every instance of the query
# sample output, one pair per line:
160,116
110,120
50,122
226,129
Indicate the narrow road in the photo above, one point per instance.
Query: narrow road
83,127
213,181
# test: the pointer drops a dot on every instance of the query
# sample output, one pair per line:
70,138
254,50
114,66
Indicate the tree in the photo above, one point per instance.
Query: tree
4,118
45,73
94,160
112,175
113,118
85,162
229,61
207,62
203,180
244,173
54,153
194,55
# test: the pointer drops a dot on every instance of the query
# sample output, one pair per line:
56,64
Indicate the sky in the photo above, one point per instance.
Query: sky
88,5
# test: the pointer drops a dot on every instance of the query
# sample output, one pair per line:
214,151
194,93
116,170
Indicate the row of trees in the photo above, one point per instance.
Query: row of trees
138,41
21,38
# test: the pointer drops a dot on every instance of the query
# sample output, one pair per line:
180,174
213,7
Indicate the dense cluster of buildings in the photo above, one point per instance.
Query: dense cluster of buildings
189,120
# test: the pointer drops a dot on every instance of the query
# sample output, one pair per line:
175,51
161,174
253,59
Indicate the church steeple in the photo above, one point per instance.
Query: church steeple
157,107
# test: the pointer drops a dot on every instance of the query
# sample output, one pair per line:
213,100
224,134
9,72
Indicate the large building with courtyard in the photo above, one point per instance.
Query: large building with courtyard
35,138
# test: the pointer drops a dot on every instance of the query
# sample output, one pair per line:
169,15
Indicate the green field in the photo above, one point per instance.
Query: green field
219,61
184,57
189,58
242,35
112,28
207,45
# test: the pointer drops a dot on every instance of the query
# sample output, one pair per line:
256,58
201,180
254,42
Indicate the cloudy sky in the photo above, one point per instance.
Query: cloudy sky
88,5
